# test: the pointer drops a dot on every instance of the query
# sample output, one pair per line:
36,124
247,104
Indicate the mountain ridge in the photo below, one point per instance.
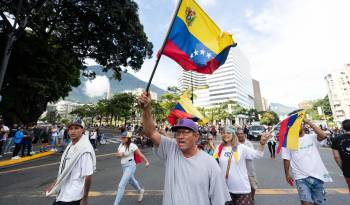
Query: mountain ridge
127,82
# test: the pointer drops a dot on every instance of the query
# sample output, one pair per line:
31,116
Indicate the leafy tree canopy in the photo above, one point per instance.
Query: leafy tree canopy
46,60
107,31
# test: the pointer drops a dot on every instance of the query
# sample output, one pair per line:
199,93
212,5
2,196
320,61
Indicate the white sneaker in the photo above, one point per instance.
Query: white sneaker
1,155
142,191
16,157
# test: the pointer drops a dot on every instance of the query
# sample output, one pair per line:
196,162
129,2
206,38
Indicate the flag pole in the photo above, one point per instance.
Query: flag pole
162,48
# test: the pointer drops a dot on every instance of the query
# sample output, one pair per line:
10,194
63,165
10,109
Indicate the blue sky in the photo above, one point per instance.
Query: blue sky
291,44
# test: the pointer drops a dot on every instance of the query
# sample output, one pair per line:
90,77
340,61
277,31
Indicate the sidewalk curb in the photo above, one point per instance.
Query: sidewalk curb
24,159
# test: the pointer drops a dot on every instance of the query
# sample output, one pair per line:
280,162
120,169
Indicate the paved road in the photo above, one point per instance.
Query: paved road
24,184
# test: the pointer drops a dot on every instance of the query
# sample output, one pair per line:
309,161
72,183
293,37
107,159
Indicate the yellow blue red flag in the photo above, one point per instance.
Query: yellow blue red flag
195,41
185,109
289,132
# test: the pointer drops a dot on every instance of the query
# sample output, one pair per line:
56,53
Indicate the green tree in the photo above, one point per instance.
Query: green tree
269,118
38,73
123,105
168,101
62,35
52,117
107,31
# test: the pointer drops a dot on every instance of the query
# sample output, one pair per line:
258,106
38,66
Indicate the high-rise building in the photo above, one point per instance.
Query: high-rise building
266,104
338,87
258,104
231,82
188,79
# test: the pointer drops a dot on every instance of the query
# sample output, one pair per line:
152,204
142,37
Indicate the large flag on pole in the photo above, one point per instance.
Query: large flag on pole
195,41
289,132
185,109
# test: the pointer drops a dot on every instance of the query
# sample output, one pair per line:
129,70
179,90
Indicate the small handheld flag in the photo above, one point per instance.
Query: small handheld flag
289,132
185,109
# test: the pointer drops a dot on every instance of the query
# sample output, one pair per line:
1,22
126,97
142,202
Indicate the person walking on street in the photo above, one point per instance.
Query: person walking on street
307,167
341,151
78,163
232,157
191,175
4,132
18,137
127,152
271,143
209,146
10,139
54,138
27,141
93,138
242,138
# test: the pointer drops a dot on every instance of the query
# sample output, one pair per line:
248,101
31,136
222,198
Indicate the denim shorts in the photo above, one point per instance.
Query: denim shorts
311,190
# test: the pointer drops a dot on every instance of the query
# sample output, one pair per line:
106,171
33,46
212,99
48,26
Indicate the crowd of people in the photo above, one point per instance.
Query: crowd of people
228,175
19,140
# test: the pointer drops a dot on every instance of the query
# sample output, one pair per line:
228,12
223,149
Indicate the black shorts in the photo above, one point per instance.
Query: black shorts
66,203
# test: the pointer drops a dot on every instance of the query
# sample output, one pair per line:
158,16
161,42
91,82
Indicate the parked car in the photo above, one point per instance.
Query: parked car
255,132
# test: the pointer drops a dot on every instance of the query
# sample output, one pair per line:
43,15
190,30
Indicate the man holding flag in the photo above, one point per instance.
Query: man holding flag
191,175
306,164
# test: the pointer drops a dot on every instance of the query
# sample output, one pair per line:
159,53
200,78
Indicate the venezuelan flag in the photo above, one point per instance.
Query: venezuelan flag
195,41
289,132
185,109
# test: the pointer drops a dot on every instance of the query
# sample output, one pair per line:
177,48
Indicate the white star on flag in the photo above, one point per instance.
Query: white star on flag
202,52
195,52
191,56
208,55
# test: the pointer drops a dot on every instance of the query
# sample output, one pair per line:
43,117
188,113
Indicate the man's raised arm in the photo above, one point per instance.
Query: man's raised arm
148,124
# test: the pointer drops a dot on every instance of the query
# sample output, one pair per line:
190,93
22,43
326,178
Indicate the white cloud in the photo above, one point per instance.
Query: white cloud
294,45
97,87
207,3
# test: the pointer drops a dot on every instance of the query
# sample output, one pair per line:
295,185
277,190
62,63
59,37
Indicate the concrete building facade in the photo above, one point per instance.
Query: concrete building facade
231,82
258,104
338,88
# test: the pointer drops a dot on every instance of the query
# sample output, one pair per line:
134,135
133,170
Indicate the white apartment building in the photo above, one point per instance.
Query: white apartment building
338,88
63,107
188,78
232,81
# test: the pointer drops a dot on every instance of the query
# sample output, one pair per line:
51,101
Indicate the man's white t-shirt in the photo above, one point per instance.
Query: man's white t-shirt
306,162
238,181
73,187
128,154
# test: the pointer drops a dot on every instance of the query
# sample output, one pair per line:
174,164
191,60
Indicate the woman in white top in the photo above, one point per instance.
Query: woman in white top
126,151
271,143
232,157
93,138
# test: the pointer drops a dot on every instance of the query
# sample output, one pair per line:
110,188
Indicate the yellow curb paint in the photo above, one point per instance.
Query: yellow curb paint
275,191
24,159
332,191
267,192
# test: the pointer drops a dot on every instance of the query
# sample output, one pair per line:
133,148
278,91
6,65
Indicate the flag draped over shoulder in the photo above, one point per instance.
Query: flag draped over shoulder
289,132
185,109
195,41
